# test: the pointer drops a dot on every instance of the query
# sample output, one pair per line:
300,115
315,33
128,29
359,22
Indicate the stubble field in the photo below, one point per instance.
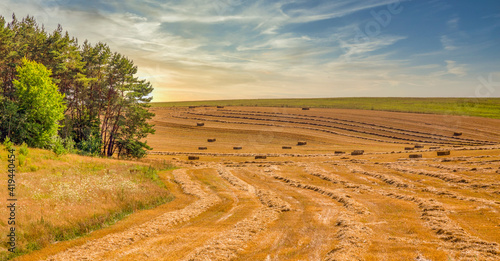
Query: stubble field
315,201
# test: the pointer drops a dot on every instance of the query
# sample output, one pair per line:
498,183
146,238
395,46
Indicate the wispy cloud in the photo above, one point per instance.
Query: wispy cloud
332,9
357,48
453,23
448,43
455,68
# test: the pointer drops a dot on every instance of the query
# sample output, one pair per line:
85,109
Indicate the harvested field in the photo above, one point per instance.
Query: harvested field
315,202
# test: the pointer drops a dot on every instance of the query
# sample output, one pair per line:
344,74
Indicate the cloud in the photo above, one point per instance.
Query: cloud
491,16
440,5
453,23
279,42
456,69
356,48
448,43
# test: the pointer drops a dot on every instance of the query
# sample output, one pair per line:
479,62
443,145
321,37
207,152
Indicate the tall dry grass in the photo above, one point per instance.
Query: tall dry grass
59,198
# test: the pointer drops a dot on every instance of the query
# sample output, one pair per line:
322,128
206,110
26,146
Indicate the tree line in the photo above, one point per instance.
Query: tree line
99,108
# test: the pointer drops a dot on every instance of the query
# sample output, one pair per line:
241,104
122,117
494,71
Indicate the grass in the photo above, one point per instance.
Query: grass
479,107
64,197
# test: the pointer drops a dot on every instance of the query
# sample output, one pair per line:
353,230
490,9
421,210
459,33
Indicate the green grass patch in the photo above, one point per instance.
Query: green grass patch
148,172
478,107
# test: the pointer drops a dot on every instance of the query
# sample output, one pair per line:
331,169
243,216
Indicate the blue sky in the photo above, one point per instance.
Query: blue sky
232,49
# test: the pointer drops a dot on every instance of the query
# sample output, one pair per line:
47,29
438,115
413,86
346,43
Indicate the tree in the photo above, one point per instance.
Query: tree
23,39
124,120
40,102
134,125
105,106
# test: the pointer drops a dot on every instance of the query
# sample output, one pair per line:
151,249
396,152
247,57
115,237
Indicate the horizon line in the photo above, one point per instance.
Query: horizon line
347,97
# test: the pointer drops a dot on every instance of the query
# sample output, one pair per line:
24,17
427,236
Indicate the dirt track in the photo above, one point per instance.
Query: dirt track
377,206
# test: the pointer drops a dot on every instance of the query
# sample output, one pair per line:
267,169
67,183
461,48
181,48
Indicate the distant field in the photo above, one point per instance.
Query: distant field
489,107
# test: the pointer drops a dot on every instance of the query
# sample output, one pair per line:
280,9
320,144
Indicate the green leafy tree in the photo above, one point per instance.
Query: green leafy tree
40,101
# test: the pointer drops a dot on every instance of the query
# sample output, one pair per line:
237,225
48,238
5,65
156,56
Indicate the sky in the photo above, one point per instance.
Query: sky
237,49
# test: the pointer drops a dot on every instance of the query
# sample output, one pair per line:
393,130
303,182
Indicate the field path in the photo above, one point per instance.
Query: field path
321,210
